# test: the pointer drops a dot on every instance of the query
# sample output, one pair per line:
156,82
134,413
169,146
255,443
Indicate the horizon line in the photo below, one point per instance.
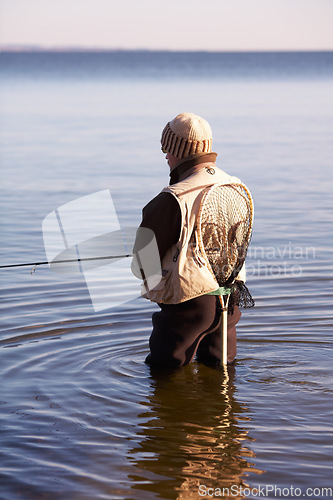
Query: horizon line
43,48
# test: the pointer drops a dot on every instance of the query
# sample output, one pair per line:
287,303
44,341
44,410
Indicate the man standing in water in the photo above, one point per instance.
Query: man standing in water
188,322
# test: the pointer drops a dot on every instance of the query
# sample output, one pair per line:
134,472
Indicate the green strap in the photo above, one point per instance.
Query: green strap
223,290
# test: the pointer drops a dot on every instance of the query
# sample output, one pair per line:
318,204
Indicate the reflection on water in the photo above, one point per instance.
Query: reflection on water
191,434
85,418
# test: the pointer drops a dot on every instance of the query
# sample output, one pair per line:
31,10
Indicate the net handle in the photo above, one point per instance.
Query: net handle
224,300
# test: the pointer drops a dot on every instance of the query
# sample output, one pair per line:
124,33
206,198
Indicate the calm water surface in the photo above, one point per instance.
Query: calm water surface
82,416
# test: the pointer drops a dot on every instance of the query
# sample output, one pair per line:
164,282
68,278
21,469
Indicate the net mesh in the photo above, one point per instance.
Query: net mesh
224,230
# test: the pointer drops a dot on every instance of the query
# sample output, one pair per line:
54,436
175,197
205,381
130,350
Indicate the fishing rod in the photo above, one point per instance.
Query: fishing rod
42,263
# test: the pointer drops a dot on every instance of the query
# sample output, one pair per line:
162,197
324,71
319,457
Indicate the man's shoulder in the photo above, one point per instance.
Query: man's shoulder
163,200
226,178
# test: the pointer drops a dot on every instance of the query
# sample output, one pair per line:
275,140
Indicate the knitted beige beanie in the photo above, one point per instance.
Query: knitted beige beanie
186,135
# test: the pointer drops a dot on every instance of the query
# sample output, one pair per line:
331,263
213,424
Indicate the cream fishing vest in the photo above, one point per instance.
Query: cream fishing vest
185,274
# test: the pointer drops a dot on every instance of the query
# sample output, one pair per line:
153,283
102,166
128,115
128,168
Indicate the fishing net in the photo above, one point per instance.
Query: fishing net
224,228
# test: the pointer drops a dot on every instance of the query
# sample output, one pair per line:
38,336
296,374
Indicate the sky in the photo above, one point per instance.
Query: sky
169,24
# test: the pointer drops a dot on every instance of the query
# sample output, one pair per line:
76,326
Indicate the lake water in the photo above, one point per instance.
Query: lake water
82,417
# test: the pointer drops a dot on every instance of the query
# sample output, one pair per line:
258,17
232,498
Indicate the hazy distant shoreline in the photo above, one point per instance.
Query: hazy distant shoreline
40,48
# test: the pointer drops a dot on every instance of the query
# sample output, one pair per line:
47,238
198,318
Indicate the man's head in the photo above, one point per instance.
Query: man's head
185,135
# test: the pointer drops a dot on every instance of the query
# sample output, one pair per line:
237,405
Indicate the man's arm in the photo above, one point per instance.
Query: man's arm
162,216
